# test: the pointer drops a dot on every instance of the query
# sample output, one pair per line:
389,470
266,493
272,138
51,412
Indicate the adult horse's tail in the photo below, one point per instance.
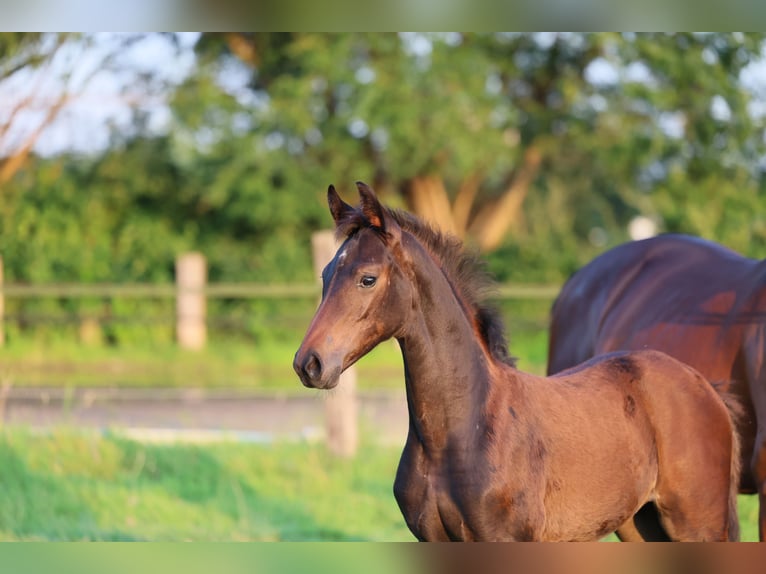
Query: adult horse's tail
736,412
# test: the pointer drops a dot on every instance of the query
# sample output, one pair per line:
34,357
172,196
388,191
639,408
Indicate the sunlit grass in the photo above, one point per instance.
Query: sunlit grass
75,486
748,518
71,485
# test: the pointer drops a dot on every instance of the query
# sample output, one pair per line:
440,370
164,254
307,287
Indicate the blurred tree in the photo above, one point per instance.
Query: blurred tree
45,75
537,148
473,131
22,53
405,111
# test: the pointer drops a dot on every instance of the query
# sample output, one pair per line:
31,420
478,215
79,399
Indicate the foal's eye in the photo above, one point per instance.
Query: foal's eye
367,281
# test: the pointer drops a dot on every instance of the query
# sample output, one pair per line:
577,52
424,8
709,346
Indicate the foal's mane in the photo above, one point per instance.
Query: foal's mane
464,269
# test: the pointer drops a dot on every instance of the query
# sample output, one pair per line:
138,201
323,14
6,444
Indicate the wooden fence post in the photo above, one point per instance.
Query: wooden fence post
191,277
340,404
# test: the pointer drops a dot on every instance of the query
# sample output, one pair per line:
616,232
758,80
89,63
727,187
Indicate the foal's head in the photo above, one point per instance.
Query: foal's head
365,294
374,285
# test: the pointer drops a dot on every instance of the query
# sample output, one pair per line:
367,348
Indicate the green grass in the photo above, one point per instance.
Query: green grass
747,507
72,485
77,486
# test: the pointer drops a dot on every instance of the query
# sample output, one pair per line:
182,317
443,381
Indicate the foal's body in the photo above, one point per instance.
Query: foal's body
587,467
496,454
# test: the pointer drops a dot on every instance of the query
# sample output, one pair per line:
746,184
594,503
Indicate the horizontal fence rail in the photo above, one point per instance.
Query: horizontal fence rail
159,291
223,291
189,305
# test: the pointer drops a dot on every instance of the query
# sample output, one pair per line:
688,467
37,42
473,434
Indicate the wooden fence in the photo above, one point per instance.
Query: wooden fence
191,291
191,298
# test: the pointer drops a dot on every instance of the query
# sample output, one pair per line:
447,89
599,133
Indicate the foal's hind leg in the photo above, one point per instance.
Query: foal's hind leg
692,494
704,526
694,486
697,458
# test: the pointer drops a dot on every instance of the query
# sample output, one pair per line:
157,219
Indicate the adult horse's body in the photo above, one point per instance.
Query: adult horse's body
496,454
693,299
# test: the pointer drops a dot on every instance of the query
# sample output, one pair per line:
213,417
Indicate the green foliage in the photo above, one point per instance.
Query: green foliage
658,125
76,221
631,124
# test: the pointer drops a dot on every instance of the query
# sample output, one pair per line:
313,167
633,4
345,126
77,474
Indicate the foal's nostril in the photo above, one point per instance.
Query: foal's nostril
313,367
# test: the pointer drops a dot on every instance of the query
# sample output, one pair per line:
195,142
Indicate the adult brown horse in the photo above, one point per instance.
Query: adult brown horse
493,453
693,299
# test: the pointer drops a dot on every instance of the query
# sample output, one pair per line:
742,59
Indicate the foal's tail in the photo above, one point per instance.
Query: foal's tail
736,413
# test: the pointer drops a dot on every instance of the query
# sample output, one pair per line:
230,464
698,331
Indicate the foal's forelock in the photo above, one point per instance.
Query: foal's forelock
465,271
353,223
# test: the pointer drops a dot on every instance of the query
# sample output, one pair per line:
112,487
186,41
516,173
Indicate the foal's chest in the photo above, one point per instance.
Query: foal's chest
445,501
428,508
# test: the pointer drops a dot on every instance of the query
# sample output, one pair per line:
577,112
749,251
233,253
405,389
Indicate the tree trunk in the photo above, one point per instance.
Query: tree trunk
428,198
493,221
461,209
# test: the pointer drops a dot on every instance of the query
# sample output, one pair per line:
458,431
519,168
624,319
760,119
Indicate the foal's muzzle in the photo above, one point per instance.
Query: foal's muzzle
313,372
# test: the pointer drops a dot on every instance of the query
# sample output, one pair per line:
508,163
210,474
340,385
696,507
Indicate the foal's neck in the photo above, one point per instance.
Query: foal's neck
447,368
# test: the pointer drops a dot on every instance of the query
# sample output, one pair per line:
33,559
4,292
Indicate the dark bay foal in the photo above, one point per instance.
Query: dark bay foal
493,453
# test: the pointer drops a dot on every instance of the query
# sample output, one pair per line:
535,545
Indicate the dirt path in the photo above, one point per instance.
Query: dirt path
171,414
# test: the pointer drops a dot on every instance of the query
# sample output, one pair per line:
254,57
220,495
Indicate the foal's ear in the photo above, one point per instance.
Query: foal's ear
338,207
371,207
